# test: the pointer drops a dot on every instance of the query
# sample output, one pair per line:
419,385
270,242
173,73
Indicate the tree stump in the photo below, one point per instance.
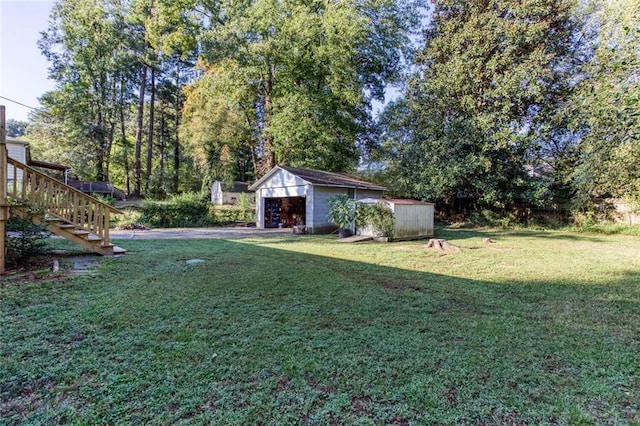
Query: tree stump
441,245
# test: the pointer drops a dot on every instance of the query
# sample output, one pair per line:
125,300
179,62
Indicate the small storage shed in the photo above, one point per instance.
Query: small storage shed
290,196
413,218
222,193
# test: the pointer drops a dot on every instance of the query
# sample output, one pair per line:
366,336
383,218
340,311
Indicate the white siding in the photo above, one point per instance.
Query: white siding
17,151
413,220
285,184
281,184
259,209
321,195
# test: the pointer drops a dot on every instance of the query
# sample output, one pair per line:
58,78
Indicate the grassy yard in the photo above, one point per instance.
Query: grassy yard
538,328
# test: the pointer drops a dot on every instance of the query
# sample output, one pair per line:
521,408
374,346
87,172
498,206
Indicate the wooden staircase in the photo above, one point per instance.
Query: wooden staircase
60,209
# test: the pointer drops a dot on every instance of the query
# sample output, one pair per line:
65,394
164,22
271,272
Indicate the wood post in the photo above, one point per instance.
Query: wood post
4,208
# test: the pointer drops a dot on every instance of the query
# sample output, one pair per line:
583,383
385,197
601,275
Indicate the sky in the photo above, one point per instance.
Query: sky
23,69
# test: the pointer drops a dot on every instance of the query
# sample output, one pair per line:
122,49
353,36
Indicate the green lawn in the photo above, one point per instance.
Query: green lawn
538,328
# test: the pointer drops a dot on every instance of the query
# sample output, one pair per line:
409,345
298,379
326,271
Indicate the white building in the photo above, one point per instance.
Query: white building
288,196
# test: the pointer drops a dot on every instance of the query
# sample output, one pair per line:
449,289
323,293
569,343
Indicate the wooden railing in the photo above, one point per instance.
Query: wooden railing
52,198
98,188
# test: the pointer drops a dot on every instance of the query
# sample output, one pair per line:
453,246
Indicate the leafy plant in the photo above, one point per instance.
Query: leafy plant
228,214
342,211
190,209
25,241
245,205
377,216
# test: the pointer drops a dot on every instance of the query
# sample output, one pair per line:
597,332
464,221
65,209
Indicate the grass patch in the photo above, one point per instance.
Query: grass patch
538,328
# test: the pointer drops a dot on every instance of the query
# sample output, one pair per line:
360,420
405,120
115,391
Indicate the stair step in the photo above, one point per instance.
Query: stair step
67,226
94,237
81,232
119,250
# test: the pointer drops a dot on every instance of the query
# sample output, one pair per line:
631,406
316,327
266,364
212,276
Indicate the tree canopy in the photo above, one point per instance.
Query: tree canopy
504,104
485,75
291,81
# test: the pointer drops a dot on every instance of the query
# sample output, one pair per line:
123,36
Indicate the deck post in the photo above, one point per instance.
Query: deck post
4,208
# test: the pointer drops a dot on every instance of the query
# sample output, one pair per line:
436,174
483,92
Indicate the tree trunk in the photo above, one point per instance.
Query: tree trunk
441,245
269,161
123,141
137,175
163,136
176,146
152,101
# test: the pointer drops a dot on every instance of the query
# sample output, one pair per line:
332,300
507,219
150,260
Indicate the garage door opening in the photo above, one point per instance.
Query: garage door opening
285,212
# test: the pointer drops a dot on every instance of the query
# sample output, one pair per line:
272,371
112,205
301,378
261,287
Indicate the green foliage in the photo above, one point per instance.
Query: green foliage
230,214
292,81
606,107
474,110
607,228
184,210
105,198
377,216
485,217
342,211
131,219
97,50
24,241
244,205
16,128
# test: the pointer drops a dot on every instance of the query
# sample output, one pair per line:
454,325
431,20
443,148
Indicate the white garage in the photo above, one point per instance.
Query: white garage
290,196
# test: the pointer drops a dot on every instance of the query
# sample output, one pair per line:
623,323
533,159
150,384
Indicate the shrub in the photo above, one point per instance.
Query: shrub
377,216
227,214
185,210
105,198
26,240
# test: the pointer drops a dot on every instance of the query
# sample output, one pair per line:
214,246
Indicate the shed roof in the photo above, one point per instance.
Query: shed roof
322,178
399,201
16,141
235,186
405,201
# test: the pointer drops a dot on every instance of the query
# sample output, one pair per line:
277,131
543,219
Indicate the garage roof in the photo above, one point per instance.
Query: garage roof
320,177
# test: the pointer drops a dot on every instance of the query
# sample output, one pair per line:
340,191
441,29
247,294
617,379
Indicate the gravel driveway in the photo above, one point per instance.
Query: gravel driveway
193,233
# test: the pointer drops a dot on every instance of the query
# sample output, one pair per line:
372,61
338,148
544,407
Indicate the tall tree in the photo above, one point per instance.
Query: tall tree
608,106
16,128
303,74
487,72
82,43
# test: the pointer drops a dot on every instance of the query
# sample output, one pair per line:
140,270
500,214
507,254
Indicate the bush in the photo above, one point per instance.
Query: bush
130,219
26,240
105,198
227,214
185,210
378,216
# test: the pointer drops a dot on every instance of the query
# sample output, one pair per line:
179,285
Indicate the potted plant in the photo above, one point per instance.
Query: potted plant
342,213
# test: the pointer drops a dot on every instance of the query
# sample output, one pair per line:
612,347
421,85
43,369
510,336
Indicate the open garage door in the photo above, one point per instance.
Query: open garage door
285,212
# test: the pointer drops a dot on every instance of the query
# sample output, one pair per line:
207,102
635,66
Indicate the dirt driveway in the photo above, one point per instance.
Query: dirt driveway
196,233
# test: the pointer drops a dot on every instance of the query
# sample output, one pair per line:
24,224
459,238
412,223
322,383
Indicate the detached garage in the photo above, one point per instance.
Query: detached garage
290,196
